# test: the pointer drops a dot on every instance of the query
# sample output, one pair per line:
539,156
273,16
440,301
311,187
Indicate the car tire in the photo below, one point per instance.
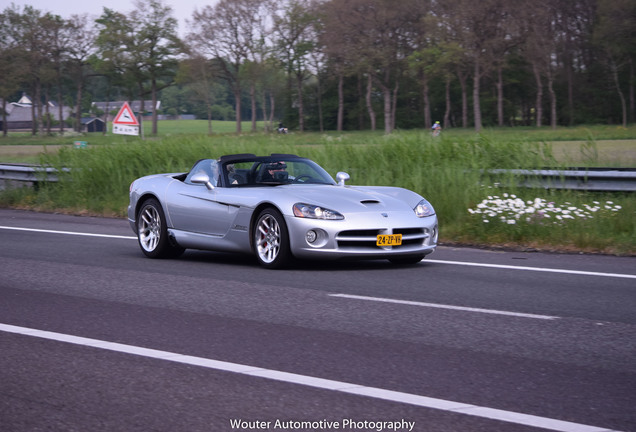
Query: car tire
271,240
152,232
407,260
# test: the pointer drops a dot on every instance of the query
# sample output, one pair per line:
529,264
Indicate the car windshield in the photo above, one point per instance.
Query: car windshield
275,171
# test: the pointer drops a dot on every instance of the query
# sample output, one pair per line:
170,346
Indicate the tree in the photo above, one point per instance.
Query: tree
228,32
12,57
271,84
80,45
114,58
54,29
378,32
540,48
200,76
615,35
142,48
422,61
29,32
295,40
336,42
561,56
439,60
479,28
156,47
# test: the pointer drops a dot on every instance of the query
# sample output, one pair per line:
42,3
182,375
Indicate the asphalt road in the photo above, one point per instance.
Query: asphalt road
96,337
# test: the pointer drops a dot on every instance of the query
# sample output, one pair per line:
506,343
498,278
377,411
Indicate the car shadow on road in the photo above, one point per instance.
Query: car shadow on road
245,260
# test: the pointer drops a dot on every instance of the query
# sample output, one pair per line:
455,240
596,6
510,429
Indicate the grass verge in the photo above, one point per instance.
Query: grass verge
448,171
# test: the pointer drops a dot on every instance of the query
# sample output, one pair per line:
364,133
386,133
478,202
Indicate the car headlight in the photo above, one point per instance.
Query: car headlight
315,212
423,209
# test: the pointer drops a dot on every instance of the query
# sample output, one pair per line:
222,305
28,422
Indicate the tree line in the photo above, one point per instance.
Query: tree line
334,64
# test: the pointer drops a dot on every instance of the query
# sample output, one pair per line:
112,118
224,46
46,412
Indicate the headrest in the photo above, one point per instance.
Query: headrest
273,166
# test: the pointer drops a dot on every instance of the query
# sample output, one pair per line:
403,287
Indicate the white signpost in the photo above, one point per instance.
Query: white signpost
125,122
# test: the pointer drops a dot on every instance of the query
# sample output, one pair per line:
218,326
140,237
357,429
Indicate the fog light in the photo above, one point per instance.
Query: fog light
311,236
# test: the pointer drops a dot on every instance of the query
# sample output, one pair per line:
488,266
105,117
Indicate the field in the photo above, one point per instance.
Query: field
473,208
610,146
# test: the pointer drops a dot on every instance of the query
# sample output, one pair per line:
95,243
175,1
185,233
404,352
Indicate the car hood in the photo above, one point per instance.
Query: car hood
353,198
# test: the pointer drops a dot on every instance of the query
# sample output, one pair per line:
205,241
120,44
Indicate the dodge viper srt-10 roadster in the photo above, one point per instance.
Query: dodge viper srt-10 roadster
280,208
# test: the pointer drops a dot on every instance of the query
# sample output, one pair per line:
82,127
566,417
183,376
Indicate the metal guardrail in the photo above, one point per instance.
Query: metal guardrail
27,173
592,179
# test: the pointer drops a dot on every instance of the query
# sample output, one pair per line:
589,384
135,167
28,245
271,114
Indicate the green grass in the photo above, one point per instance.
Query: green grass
611,146
447,170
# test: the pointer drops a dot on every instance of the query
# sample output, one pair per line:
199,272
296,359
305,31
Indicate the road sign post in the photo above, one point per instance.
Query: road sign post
125,122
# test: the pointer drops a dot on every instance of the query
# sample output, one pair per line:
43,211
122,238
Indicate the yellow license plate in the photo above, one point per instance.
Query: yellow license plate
389,240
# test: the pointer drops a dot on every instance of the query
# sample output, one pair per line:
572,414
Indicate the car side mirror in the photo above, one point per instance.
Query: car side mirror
342,177
202,179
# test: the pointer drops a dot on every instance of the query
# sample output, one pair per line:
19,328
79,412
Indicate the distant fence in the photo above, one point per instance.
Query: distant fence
591,179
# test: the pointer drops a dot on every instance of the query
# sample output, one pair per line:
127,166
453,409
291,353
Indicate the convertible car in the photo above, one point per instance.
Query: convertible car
278,207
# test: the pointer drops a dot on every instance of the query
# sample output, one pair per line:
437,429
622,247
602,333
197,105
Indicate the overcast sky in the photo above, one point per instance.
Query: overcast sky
182,9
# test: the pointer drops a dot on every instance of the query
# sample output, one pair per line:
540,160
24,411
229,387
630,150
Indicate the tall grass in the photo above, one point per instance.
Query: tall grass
450,171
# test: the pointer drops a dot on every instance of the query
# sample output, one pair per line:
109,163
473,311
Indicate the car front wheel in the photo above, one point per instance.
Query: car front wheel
152,232
271,240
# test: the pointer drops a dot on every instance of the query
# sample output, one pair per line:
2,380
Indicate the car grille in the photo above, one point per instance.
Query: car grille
366,239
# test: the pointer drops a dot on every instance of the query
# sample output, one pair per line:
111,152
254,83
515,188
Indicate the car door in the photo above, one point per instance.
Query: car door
195,207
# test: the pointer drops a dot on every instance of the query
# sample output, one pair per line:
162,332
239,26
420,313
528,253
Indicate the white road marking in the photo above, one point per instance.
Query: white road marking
443,306
68,233
321,383
537,269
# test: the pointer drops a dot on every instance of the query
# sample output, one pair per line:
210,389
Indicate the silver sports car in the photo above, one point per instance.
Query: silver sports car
279,207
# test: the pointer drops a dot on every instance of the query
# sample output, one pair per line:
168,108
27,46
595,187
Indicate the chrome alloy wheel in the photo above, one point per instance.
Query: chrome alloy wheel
268,238
149,228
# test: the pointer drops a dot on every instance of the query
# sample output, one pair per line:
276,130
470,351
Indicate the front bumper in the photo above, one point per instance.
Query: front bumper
355,237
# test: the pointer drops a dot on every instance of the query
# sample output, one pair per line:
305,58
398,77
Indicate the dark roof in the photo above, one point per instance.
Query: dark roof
134,105
87,120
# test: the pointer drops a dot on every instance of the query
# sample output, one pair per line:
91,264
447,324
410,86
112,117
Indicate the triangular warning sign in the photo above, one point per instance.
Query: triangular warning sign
125,116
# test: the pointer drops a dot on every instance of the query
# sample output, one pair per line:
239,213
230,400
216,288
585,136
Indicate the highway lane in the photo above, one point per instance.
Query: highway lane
573,362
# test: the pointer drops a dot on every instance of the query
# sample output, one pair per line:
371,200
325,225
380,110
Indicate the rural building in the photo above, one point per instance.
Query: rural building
115,106
93,124
20,115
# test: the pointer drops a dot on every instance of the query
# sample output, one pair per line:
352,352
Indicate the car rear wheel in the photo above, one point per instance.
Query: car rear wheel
271,239
152,232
